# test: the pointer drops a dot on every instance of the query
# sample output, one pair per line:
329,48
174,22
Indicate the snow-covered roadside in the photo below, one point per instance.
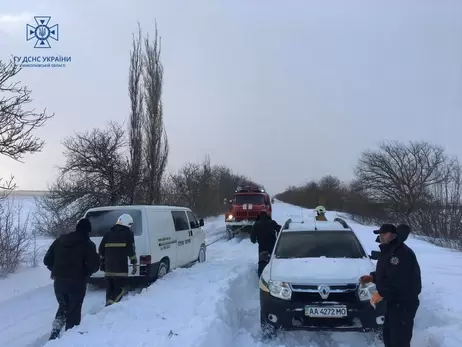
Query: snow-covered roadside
27,278
178,310
439,319
217,303
28,297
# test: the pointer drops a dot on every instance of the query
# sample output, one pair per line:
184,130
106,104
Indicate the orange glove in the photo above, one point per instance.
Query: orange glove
366,279
376,298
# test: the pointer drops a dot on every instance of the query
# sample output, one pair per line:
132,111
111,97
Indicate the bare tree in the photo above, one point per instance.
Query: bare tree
135,85
95,174
98,155
400,174
17,124
156,146
202,187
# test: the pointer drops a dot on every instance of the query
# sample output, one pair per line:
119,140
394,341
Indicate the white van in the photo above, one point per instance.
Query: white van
166,237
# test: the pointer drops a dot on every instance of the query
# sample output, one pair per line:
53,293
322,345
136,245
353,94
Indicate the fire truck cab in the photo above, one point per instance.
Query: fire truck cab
247,203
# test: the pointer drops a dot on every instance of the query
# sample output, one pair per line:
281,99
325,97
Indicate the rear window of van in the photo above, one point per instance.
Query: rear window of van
103,220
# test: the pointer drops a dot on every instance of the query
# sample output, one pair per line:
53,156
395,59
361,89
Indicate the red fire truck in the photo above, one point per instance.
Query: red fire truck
248,201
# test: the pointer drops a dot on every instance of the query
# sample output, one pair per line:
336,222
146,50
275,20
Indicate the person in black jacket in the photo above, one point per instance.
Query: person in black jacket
115,247
71,258
398,281
264,232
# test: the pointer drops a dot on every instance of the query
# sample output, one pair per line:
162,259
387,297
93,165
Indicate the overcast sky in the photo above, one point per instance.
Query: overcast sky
281,91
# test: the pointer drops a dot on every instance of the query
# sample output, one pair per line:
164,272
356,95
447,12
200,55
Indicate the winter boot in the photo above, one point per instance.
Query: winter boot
57,326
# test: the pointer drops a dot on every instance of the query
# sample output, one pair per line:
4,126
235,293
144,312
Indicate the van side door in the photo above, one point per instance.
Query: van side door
184,240
198,234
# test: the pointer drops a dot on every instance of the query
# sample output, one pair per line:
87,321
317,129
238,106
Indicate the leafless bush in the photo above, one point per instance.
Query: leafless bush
14,237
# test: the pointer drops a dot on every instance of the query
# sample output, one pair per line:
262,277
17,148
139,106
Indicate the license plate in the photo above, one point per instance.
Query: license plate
326,312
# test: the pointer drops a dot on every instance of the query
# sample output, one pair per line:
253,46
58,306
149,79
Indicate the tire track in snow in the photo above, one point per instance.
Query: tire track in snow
30,316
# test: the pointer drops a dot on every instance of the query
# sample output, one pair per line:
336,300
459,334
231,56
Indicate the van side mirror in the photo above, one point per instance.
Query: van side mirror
375,255
201,222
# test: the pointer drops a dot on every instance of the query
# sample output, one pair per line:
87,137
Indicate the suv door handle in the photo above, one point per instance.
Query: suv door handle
190,233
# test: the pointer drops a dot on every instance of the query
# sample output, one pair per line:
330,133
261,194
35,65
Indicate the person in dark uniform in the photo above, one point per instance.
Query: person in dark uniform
116,246
264,231
398,281
71,258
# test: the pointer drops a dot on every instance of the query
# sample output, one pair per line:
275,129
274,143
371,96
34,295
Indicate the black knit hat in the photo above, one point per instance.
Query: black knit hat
83,226
386,228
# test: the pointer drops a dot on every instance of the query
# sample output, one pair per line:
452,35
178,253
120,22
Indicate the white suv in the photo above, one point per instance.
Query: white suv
312,280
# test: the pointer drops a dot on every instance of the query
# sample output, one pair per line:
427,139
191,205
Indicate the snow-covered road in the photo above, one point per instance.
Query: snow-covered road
216,303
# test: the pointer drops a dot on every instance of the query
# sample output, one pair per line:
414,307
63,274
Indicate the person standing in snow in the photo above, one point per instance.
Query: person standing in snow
116,246
264,231
71,258
398,281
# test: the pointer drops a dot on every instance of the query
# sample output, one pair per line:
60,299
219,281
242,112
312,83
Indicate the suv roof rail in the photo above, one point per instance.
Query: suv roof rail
342,222
286,224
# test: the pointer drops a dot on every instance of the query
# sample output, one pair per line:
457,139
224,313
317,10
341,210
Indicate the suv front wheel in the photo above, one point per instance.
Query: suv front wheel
268,331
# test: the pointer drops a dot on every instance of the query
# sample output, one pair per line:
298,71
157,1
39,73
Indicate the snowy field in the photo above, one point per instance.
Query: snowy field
216,303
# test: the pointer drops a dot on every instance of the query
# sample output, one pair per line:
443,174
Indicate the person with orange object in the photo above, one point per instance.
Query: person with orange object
398,281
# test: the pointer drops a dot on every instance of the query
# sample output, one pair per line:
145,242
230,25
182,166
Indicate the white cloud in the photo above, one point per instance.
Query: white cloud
11,23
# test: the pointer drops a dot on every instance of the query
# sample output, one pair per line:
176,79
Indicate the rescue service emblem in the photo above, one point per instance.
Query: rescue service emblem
394,260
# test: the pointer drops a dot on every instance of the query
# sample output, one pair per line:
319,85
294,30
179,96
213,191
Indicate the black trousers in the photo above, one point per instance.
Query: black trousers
70,294
399,322
114,289
263,260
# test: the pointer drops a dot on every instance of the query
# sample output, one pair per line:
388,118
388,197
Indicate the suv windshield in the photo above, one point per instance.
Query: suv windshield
315,244
249,199
103,220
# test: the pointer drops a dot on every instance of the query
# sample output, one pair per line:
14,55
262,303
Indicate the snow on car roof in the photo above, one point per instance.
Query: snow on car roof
315,225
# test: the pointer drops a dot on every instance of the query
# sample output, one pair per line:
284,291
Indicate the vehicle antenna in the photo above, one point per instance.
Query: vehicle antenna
301,212
315,225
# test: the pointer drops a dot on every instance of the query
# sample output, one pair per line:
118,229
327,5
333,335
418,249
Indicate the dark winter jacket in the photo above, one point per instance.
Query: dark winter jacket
264,232
397,274
116,247
73,256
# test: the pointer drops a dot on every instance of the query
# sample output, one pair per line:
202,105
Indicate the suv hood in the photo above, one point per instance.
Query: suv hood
320,270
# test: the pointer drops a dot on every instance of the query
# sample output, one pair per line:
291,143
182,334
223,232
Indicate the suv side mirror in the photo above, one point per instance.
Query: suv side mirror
201,222
375,255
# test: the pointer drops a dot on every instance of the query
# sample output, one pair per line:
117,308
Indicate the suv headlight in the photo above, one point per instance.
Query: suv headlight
365,291
280,290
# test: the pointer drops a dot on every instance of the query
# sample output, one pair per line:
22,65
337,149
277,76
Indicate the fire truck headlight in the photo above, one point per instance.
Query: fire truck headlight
230,217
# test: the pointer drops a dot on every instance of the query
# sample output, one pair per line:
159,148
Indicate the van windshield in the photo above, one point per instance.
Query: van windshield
103,220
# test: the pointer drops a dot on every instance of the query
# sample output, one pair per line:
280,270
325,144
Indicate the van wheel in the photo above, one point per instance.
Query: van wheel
202,255
163,269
